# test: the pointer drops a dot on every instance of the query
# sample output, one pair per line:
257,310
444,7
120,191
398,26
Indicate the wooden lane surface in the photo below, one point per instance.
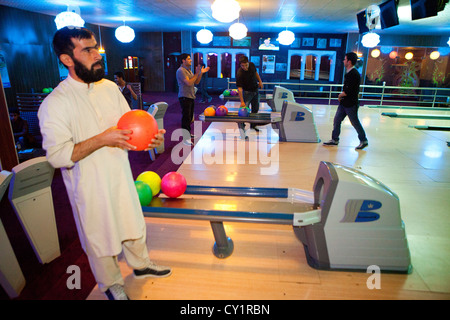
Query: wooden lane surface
268,261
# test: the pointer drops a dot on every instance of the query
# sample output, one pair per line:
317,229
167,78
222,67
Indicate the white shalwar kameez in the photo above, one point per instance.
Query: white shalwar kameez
100,187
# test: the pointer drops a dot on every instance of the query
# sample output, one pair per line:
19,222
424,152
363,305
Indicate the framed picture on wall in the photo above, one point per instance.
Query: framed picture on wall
308,42
244,42
296,43
281,67
268,44
255,60
4,71
268,64
221,41
321,43
335,43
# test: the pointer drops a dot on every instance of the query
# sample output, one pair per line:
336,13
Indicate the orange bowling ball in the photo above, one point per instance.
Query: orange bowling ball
209,112
143,127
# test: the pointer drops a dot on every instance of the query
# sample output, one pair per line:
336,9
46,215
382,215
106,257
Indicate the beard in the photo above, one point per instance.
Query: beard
89,75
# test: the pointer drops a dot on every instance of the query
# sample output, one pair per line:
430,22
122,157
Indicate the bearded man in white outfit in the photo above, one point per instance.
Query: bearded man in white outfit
78,124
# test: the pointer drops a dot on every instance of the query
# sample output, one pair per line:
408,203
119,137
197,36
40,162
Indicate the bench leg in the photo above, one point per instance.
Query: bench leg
223,247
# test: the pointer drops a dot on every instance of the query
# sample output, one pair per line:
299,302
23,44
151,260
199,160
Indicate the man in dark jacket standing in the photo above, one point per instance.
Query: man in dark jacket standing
349,104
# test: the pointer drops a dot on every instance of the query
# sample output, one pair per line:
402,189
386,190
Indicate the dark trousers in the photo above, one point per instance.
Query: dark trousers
187,113
352,113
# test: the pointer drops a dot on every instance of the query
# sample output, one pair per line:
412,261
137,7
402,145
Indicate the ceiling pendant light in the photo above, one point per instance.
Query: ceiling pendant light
393,54
238,31
435,55
124,34
286,37
225,10
370,40
204,36
409,55
375,53
71,17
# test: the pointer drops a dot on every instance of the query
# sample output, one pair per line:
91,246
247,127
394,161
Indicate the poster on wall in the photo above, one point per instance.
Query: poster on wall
296,43
4,71
335,43
268,44
281,67
268,64
255,60
244,42
221,41
308,42
321,43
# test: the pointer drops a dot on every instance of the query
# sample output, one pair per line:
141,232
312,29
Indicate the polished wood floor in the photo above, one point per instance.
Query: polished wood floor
268,261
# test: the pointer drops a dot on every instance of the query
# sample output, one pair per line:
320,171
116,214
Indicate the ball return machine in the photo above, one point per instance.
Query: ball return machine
349,222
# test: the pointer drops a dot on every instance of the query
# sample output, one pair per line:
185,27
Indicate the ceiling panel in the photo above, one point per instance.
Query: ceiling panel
321,16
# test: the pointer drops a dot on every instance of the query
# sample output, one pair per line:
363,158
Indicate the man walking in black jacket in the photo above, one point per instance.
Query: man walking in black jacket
349,104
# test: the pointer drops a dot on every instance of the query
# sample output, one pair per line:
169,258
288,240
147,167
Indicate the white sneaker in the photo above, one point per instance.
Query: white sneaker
116,292
188,142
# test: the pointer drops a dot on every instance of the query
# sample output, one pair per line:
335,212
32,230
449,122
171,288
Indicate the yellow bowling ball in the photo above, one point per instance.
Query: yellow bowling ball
152,179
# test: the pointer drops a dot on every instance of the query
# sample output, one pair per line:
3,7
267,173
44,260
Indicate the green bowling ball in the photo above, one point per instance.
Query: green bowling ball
144,192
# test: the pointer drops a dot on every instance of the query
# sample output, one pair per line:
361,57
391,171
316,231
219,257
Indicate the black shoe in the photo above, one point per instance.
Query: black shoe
116,292
154,271
362,145
331,143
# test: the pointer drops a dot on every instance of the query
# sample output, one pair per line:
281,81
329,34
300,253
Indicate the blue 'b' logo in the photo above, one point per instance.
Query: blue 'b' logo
299,116
366,212
361,211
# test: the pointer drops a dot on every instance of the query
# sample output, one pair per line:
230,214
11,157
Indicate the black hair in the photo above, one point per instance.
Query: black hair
184,56
352,57
119,74
243,59
62,40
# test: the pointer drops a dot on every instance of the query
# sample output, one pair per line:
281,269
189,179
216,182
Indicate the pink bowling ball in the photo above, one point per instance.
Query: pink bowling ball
173,184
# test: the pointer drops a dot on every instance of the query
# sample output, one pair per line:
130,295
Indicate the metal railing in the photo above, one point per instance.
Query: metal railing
379,95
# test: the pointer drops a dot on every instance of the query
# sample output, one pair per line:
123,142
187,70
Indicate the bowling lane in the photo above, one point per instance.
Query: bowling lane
268,261
240,209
